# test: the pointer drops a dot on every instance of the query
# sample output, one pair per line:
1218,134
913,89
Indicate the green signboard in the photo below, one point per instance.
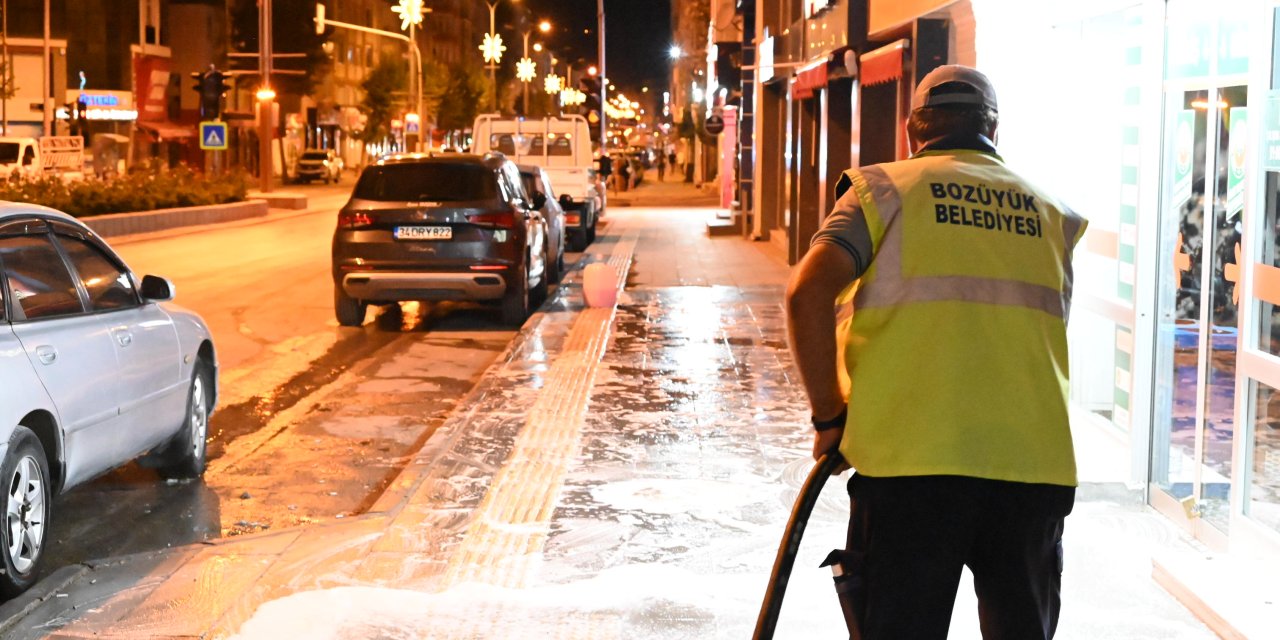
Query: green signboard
1271,133
1188,47
1233,45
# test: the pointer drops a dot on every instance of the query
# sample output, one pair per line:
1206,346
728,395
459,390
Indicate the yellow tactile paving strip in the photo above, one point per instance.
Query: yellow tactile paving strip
509,528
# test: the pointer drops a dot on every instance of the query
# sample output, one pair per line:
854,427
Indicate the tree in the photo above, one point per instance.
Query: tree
290,33
466,90
389,78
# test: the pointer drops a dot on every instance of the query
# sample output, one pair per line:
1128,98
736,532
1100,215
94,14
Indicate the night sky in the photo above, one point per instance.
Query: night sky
637,35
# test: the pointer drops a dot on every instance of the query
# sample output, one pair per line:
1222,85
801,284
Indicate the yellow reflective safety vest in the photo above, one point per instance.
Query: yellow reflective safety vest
957,348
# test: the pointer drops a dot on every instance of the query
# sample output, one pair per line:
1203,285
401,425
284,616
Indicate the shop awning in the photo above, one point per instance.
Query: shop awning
163,130
884,64
808,80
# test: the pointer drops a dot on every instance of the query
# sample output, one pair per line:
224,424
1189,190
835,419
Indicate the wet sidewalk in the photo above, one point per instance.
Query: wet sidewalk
618,473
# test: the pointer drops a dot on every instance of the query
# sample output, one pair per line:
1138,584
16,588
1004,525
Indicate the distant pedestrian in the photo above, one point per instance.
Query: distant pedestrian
662,166
961,443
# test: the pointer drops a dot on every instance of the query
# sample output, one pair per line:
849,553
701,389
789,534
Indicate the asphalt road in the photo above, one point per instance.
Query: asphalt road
288,443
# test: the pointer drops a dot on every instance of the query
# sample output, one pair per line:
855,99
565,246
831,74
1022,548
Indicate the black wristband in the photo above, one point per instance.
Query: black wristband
833,423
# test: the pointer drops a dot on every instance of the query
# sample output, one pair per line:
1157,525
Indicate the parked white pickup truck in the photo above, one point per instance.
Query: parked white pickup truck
562,147
30,157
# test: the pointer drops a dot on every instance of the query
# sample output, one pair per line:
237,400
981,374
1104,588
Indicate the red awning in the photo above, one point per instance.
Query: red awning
884,64
808,80
165,130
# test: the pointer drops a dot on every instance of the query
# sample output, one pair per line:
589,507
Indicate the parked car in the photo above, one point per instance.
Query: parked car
536,181
319,164
440,227
97,368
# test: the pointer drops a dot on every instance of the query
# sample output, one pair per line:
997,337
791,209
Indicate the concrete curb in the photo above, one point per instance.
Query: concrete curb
123,224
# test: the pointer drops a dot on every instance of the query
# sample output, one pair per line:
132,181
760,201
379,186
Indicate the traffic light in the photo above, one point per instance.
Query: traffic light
211,85
79,114
591,107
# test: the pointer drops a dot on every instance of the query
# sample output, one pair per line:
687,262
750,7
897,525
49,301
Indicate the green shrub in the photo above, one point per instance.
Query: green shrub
145,188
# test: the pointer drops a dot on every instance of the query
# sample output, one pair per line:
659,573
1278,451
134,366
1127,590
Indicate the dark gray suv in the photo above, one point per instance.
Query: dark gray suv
440,227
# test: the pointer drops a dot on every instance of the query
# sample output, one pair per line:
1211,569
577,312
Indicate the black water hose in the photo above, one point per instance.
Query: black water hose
790,545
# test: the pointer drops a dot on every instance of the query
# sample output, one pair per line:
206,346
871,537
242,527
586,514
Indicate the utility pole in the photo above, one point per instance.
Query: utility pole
604,83
493,66
48,72
8,69
266,99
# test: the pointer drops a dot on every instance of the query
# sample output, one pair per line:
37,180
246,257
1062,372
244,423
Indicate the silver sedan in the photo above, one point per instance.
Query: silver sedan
96,369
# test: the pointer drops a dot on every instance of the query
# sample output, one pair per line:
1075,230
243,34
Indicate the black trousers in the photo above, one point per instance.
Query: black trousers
910,537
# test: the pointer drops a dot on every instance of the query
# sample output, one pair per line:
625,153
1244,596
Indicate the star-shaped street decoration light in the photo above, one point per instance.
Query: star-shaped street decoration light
492,48
410,12
526,70
551,83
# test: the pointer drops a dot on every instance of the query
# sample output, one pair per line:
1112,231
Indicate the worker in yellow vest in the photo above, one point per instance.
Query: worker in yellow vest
955,421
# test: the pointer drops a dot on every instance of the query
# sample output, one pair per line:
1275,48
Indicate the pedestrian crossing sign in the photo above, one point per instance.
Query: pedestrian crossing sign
213,135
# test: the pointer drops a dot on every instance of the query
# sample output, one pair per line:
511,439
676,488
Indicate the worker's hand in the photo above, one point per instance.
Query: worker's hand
826,442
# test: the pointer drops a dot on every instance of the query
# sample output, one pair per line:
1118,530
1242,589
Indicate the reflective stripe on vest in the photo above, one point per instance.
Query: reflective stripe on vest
891,288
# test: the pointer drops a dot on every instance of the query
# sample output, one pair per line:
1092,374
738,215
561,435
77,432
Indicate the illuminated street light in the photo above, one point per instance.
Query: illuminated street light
410,12
592,70
537,46
526,70
544,26
551,83
266,93
675,52
492,48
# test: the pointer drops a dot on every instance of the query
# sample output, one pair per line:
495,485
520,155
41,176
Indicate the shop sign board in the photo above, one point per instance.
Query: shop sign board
1238,126
714,124
1271,133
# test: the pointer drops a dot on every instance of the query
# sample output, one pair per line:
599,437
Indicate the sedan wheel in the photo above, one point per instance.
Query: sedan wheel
185,457
27,503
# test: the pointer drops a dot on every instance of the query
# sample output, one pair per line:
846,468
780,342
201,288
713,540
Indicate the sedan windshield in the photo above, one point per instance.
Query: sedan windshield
427,182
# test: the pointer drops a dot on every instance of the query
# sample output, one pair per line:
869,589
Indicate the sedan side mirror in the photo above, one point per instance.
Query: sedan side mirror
539,199
156,289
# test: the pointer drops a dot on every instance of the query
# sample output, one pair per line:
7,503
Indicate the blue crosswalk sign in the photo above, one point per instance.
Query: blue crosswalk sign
213,135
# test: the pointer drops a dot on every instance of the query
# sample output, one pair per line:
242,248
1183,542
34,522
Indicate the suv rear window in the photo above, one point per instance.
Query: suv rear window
420,182
314,155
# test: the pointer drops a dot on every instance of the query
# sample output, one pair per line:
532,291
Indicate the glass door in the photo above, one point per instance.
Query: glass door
1197,320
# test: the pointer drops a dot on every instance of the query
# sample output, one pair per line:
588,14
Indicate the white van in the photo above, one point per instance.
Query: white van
562,147
20,156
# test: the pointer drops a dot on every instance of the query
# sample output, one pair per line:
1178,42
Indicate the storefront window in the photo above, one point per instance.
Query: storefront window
1262,502
1269,312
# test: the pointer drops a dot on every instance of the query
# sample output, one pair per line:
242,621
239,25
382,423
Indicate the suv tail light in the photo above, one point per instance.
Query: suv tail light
354,219
504,219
